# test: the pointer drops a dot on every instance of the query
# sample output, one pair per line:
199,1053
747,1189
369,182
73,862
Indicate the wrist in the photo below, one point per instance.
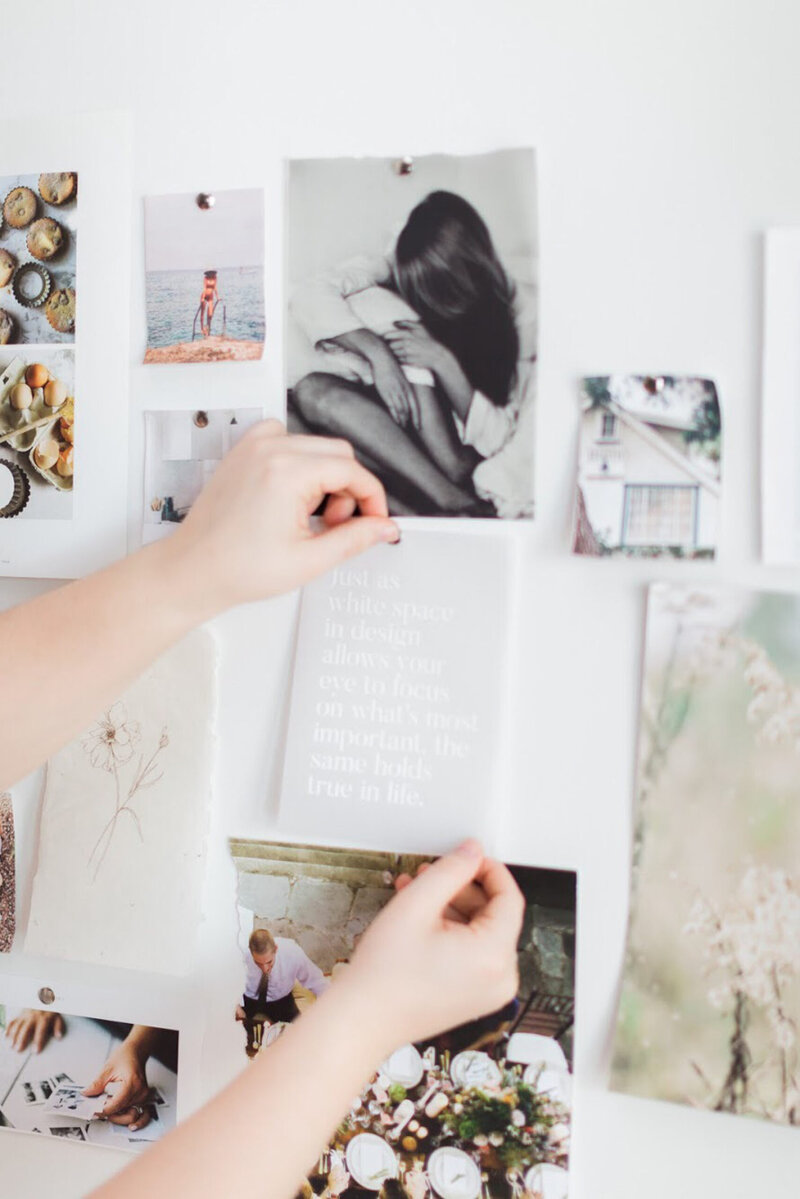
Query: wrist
359,1007
181,584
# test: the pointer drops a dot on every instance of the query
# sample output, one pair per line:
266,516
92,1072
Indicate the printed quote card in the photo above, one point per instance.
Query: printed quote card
397,705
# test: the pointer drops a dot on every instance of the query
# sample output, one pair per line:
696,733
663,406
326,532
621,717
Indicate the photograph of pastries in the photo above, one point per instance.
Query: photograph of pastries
37,433
38,237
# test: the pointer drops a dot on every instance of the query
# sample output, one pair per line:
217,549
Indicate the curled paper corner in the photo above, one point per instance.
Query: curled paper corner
7,874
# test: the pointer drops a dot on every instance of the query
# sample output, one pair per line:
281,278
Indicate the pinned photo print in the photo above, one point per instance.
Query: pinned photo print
37,433
413,320
38,242
104,1082
482,1111
182,451
205,277
650,467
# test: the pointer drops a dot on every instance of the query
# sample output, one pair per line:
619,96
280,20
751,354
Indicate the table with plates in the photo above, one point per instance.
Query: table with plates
411,1125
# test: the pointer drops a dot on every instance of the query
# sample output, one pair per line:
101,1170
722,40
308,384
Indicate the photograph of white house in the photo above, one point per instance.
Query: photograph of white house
649,467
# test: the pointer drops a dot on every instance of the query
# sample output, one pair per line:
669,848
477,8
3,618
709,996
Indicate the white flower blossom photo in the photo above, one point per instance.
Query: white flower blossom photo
710,1003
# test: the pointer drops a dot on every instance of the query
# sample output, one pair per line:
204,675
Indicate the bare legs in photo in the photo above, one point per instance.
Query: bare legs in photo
429,472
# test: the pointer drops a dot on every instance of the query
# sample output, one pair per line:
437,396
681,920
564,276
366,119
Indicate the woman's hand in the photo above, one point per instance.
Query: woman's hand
395,390
126,1067
33,1026
443,951
413,345
249,533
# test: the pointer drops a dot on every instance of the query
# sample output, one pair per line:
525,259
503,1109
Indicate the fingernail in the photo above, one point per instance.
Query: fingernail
470,848
391,534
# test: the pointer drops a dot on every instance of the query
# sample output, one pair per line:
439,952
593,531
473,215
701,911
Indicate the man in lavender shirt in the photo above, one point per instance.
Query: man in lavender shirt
272,967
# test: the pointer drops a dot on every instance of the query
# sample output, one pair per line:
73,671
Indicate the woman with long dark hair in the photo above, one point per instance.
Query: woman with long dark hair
427,387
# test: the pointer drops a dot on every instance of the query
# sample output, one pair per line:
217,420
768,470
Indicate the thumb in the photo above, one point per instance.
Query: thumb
98,1086
433,889
326,550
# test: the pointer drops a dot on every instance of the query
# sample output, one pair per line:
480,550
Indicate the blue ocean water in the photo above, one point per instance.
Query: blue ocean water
173,298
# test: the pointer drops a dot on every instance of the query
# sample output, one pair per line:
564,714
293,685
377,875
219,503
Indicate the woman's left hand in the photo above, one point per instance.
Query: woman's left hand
413,345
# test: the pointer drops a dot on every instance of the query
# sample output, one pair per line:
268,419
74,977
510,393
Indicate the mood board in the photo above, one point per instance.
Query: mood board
648,252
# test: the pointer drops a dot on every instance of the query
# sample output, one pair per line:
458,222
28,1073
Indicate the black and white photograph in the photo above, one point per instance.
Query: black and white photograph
412,324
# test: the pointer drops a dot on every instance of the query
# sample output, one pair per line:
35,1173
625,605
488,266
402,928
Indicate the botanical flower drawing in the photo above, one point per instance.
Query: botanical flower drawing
111,746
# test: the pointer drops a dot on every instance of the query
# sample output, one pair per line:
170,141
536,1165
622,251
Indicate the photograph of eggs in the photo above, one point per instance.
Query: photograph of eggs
37,433
481,1111
37,258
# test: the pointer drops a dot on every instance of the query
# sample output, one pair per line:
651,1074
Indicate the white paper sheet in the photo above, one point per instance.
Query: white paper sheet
780,438
397,708
124,823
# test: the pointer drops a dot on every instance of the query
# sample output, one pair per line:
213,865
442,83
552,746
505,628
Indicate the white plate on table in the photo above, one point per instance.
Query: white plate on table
548,1081
405,1066
370,1160
472,1068
547,1180
453,1174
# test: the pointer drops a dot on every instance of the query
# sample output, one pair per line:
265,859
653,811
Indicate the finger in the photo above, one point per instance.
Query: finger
98,1086
23,1036
41,1035
330,474
267,428
416,410
124,1119
142,1120
132,1091
469,901
59,1027
436,888
305,443
326,550
402,881
504,905
338,509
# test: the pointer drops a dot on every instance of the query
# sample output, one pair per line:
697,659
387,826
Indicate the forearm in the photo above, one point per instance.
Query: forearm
72,651
143,1040
453,382
364,342
275,1117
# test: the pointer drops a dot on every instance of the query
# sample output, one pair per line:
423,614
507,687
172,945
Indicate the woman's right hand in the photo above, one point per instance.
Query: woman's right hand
443,951
249,535
394,388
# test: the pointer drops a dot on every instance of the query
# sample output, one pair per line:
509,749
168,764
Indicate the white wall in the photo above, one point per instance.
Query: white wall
667,141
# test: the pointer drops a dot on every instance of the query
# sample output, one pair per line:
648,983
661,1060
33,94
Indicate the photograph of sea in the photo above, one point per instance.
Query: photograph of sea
204,277
173,300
